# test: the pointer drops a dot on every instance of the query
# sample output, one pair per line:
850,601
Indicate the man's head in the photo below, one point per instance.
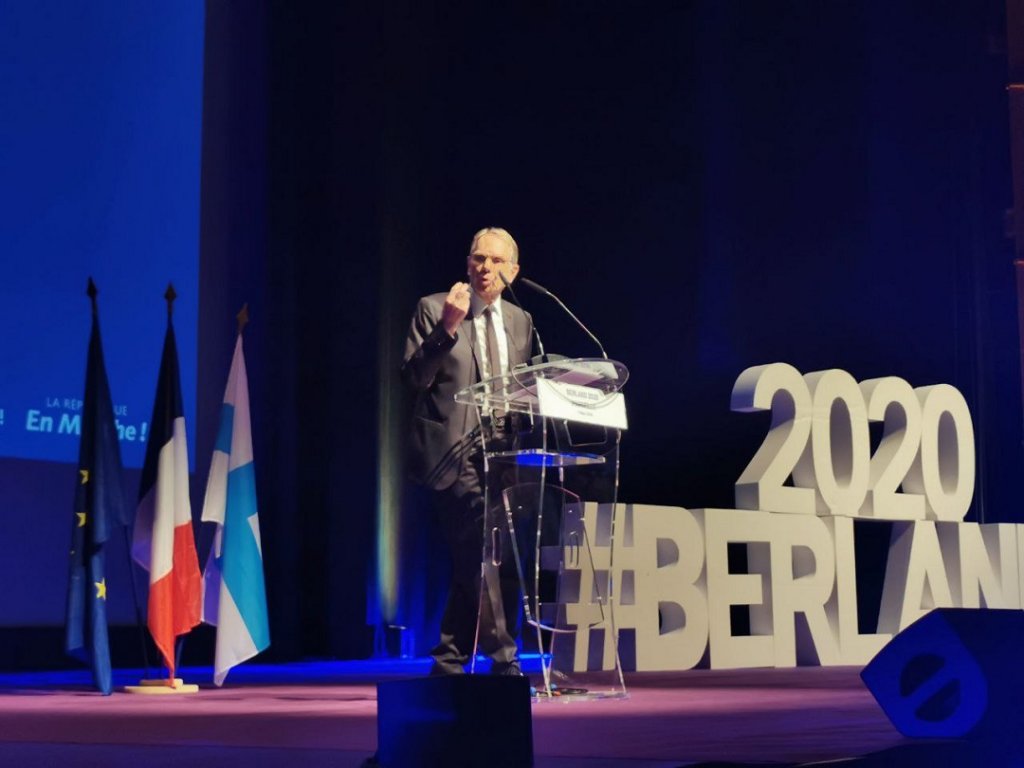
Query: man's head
492,251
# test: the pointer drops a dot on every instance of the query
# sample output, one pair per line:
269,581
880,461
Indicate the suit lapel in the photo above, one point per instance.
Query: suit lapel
508,320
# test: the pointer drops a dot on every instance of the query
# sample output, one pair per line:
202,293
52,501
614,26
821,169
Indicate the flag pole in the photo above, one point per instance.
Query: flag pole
99,463
235,565
135,599
242,317
91,291
170,295
176,685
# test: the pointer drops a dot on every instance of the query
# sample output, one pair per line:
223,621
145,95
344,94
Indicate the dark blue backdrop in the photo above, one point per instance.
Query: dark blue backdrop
99,156
100,145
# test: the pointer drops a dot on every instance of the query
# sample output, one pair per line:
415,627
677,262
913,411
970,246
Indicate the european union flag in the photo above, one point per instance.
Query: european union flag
99,506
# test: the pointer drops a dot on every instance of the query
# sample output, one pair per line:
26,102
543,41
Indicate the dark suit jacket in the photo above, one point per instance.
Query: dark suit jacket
436,367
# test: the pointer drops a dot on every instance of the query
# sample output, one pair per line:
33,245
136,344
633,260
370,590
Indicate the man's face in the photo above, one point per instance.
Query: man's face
490,255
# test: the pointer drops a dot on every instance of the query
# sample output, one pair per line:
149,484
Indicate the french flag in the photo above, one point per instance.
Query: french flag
163,542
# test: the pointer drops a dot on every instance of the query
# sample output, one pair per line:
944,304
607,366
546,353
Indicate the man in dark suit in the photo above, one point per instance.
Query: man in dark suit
456,340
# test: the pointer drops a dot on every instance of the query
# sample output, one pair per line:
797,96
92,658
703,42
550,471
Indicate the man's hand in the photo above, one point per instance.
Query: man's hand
456,307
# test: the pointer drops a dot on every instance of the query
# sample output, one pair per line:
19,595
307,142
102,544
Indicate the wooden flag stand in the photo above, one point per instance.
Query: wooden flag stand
162,686
159,686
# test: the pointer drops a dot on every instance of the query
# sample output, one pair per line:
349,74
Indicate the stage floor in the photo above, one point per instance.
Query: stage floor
324,714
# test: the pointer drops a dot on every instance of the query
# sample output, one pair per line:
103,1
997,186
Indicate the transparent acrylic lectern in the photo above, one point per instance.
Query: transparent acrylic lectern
550,435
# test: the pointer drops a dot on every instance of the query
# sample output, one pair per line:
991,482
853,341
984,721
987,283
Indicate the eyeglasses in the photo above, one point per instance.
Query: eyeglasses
479,258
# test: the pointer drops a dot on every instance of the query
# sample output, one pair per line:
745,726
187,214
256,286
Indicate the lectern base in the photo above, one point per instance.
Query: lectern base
457,720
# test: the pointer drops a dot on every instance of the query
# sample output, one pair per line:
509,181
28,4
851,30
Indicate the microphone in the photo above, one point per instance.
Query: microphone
541,289
536,335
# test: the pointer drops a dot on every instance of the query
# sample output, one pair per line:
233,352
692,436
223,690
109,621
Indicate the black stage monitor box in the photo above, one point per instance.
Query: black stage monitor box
954,673
455,721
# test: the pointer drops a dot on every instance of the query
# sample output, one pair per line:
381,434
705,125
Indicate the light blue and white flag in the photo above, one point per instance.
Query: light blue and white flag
234,595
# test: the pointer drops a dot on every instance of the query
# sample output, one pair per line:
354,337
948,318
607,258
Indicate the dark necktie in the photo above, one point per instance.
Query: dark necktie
493,353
